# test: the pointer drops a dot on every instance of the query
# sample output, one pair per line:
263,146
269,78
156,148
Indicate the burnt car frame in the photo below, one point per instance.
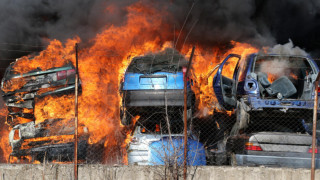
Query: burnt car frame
259,95
248,93
42,143
48,138
59,80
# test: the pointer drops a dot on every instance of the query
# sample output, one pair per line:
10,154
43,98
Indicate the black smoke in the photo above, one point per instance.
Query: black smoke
210,22
27,25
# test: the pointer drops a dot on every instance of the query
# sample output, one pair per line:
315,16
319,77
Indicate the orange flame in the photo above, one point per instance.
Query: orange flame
5,149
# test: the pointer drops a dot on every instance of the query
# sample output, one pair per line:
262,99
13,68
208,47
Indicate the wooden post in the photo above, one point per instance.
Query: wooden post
314,126
185,117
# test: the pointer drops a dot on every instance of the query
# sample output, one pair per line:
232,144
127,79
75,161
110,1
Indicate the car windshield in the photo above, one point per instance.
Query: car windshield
167,61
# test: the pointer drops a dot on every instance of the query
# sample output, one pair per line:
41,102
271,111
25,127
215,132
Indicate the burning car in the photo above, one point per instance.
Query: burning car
266,85
155,81
49,140
153,144
30,137
19,91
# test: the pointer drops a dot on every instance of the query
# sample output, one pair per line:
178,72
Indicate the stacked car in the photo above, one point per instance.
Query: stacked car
153,90
51,138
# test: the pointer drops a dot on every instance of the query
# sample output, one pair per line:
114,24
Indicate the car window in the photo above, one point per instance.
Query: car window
244,62
229,67
160,127
287,124
277,66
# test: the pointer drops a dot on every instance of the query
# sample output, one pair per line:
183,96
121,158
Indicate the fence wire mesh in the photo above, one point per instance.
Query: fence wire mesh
145,126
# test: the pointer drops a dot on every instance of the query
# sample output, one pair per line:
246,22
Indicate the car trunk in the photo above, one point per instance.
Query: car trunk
156,81
281,141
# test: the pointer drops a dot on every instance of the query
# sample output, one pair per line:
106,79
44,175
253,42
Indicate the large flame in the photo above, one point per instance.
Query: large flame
5,149
101,67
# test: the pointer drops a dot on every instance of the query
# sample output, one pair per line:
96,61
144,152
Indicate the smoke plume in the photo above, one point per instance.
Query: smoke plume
282,66
205,22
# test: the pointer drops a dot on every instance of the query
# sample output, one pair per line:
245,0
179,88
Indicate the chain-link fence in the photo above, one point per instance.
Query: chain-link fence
242,117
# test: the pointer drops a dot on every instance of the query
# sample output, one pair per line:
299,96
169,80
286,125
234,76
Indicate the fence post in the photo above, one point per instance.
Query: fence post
185,117
76,118
314,126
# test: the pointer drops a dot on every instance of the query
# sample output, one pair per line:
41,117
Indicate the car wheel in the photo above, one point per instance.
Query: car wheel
232,159
124,116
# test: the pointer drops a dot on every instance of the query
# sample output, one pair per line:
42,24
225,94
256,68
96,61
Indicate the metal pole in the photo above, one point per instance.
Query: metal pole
76,119
185,117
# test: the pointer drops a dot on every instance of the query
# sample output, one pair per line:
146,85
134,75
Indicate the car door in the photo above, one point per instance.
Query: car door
224,82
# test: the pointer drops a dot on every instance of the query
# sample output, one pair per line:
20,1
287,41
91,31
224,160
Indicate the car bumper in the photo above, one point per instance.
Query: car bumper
155,98
276,161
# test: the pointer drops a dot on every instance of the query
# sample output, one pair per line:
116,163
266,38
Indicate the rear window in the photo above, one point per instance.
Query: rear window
279,123
277,66
169,60
160,127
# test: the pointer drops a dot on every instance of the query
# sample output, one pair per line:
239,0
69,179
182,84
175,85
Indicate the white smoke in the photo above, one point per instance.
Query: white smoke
276,67
287,49
281,66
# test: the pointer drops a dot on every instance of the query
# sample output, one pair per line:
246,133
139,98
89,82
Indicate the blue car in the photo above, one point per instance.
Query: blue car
263,87
152,82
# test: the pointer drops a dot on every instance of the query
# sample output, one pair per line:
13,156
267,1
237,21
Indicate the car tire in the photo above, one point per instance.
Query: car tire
124,116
